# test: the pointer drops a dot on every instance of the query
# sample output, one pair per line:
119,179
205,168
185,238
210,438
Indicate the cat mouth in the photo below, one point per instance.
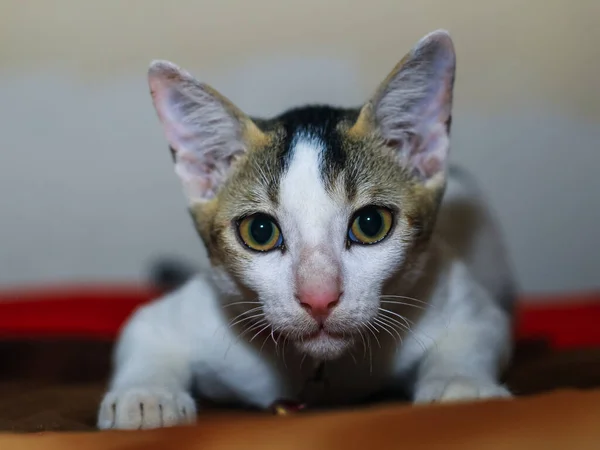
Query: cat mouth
325,343
322,333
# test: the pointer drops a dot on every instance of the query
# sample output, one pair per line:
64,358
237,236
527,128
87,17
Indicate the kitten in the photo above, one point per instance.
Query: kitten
347,257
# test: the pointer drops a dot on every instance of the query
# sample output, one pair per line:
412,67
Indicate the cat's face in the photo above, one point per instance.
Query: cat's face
315,218
309,214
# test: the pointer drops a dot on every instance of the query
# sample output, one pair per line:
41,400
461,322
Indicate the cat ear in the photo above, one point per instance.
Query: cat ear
411,110
205,131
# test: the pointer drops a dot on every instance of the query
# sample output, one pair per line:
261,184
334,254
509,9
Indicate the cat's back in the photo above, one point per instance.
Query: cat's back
467,223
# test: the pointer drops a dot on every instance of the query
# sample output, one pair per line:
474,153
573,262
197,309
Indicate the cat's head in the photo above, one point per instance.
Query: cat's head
312,212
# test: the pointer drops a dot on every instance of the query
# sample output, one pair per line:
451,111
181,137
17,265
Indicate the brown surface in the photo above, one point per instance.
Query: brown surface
51,385
555,421
57,385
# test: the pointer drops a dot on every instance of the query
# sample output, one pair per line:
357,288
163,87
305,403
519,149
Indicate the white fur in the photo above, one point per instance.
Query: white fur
315,229
458,342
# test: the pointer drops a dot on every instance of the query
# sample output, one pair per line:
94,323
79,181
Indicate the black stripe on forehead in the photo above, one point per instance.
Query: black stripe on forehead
319,122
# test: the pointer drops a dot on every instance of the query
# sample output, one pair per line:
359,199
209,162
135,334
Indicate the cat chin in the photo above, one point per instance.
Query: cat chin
324,347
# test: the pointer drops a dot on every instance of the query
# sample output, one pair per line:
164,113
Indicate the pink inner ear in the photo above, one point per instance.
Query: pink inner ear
159,90
424,155
200,179
428,155
415,106
202,134
428,166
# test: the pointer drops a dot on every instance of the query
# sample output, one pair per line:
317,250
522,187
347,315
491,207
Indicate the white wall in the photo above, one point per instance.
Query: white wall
87,189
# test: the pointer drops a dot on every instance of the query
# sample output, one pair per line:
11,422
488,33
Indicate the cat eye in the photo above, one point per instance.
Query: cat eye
370,225
260,232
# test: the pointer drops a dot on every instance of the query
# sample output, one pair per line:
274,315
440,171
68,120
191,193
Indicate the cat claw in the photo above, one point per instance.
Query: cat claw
455,389
145,408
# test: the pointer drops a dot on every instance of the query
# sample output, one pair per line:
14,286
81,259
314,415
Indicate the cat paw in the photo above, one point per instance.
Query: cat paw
143,408
454,389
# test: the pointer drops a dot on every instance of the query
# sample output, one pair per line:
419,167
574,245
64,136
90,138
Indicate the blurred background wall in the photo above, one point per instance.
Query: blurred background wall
87,190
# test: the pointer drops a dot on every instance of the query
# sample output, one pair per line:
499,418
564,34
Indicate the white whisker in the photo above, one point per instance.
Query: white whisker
259,331
370,355
353,358
363,341
302,361
370,328
283,351
273,331
404,297
395,302
250,311
246,318
246,329
405,326
385,325
240,303
258,324
270,335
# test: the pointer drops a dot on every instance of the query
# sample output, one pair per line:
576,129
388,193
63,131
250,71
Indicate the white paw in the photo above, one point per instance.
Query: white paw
141,408
453,389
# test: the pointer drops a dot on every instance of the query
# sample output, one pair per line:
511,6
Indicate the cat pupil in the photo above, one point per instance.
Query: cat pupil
261,230
370,222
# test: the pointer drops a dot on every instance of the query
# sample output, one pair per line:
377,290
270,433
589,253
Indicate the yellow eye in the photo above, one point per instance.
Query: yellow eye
370,225
260,232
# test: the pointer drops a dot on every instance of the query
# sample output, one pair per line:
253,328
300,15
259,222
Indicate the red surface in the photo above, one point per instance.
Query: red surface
85,311
99,311
566,321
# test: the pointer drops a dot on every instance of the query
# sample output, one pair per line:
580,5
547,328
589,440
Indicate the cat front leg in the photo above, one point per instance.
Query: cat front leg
151,382
466,361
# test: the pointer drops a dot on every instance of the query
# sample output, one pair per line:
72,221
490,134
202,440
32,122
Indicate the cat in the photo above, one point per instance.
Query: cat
347,257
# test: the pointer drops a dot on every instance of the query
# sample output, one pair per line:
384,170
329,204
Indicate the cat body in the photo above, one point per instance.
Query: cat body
343,247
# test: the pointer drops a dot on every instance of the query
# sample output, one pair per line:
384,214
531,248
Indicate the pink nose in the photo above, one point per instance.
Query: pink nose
319,304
